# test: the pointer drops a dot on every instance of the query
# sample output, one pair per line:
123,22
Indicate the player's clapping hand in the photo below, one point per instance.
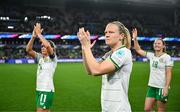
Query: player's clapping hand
37,28
84,38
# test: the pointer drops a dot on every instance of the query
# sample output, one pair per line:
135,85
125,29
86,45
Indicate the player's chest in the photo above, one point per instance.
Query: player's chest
45,63
157,63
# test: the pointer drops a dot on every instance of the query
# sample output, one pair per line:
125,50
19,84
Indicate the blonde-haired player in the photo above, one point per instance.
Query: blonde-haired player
115,67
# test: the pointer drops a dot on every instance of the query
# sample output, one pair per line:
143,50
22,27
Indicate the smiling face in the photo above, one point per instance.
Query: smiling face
158,45
112,35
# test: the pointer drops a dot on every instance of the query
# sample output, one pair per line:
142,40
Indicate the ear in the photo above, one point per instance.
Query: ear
121,36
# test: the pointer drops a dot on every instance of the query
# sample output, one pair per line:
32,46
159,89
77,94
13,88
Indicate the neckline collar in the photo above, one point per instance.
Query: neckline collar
119,48
159,55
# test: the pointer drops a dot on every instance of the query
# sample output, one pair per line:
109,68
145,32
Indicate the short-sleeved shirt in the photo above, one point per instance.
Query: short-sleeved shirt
158,66
45,72
114,92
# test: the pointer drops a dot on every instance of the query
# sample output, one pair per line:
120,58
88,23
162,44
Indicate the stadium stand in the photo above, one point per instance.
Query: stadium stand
20,20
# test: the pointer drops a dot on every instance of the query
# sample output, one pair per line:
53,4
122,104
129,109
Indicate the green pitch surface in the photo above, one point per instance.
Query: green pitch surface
75,90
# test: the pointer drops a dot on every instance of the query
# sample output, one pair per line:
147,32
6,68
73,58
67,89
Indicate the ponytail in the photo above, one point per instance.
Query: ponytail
127,38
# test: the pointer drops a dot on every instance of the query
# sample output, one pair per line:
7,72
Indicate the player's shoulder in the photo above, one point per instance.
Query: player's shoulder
121,51
165,55
38,55
108,53
150,53
56,58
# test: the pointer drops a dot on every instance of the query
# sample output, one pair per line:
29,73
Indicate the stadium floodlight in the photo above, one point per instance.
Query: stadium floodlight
25,19
4,18
10,27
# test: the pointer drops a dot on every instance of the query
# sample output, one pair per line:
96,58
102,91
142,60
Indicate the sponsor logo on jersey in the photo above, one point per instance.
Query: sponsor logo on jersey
120,53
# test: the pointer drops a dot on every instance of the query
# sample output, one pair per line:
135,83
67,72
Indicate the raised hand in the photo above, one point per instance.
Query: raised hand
84,37
37,28
93,43
134,34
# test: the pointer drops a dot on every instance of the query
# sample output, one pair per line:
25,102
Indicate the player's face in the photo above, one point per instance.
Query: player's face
158,45
112,35
43,50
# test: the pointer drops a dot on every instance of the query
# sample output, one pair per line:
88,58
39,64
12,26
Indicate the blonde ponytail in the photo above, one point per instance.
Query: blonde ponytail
127,38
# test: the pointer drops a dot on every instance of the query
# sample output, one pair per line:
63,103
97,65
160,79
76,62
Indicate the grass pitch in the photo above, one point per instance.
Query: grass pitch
74,89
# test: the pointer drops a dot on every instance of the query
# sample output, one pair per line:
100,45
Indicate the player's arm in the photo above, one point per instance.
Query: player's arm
168,80
97,68
168,76
84,58
168,73
136,43
29,47
85,63
46,44
93,67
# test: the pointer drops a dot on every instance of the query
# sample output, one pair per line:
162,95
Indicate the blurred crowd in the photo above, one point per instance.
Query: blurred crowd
67,21
70,49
